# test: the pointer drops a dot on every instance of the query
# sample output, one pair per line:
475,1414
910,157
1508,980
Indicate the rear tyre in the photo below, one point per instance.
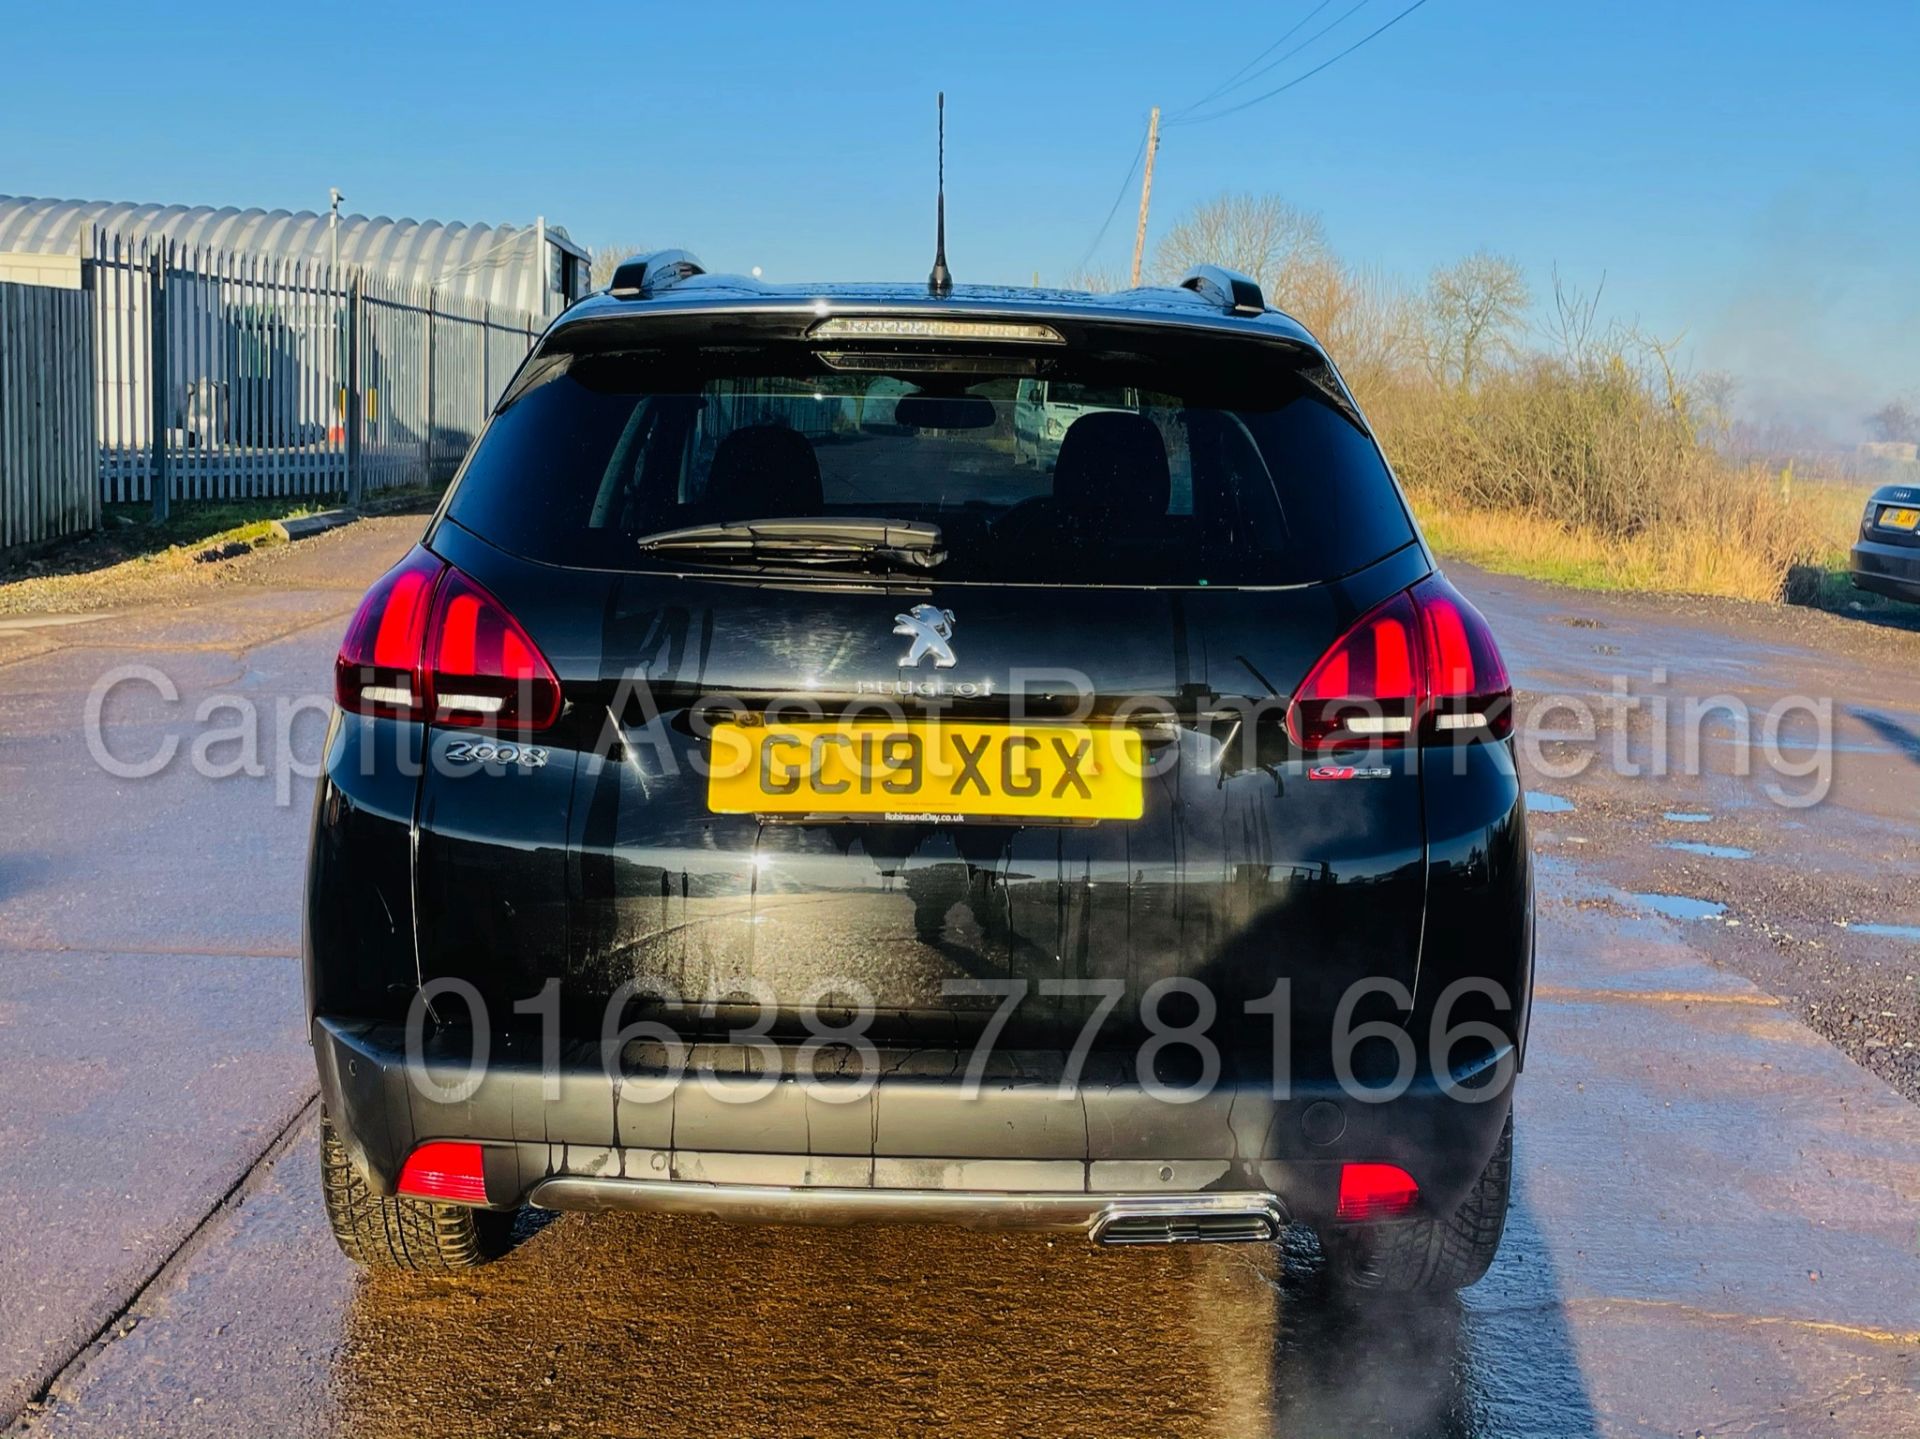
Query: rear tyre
398,1233
1429,1256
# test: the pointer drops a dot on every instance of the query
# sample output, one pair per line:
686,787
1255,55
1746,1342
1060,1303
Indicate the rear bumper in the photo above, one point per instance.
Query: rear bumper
915,1145
1162,1218
1887,569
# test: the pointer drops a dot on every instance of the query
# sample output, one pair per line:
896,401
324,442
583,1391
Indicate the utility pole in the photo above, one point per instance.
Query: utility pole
1146,192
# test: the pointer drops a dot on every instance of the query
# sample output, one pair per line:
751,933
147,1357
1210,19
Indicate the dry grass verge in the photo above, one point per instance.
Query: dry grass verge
1598,473
1685,561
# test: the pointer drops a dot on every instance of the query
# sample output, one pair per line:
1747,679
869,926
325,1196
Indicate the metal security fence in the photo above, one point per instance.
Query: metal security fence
217,373
48,484
225,376
430,366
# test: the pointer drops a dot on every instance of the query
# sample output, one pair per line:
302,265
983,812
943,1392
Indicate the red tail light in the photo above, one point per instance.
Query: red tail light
445,1169
429,643
378,671
482,667
1422,663
1375,1191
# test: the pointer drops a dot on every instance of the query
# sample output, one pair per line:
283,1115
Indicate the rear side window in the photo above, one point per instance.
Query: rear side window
1111,470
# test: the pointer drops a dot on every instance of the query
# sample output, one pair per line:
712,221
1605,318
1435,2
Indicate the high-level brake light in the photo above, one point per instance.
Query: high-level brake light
913,327
1421,665
429,643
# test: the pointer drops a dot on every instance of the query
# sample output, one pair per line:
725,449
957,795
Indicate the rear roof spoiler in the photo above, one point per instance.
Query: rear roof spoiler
1232,291
639,276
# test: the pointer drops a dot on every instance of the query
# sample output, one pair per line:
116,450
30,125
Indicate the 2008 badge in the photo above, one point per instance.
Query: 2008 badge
527,756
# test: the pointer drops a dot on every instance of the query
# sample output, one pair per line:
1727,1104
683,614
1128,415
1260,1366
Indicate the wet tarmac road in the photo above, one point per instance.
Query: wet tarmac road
1818,904
1716,1229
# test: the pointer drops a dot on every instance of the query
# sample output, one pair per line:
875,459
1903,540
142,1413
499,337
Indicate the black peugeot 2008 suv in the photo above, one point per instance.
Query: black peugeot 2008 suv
769,792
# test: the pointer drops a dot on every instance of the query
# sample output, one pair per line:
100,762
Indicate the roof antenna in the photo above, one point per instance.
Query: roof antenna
940,282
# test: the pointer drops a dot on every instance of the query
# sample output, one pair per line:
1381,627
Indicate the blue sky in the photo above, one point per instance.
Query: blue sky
1746,175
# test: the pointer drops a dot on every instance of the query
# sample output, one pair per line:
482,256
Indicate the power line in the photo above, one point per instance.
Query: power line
1245,74
1308,75
1230,84
1307,44
1126,183
1234,82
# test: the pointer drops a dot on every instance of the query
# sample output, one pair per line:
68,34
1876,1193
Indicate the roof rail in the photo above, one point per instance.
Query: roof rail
639,276
1229,289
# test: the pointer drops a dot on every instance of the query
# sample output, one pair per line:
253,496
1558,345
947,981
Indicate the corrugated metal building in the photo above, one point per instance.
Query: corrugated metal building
532,268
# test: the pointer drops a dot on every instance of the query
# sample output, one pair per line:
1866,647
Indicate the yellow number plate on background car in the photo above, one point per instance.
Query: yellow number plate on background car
1894,519
1040,772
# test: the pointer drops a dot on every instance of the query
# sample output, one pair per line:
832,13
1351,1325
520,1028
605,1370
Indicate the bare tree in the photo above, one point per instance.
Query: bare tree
1363,318
1715,393
1098,280
606,259
1474,308
1261,236
1895,421
1572,325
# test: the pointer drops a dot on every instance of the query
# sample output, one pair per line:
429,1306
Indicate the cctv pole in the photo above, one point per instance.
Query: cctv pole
1146,192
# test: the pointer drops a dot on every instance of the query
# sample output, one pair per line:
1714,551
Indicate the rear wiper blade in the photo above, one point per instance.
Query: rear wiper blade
808,540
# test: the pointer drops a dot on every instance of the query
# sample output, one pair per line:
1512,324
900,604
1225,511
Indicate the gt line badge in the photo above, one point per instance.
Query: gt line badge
1347,771
929,629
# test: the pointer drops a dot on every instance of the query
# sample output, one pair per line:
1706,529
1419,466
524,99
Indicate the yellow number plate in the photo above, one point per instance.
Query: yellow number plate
1893,519
927,771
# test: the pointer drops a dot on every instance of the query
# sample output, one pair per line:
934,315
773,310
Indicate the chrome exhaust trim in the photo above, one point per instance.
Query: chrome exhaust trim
1192,1219
1214,1217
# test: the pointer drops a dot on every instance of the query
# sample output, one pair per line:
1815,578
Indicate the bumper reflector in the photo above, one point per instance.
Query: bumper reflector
444,1169
1375,1191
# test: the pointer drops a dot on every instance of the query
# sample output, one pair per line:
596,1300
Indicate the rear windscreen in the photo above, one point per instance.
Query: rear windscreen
1111,470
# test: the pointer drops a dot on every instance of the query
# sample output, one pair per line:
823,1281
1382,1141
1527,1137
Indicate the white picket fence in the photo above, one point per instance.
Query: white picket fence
179,374
48,476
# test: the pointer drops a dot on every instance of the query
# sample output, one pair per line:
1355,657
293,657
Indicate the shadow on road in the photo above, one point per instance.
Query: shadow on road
1496,1360
22,872
623,1325
1902,737
1817,588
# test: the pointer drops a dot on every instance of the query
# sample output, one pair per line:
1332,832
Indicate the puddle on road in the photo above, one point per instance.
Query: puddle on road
1886,931
1711,851
1540,802
1681,816
1679,906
